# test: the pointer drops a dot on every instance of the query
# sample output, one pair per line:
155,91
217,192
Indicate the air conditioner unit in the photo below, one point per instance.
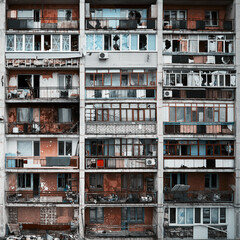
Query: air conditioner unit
167,94
150,162
103,55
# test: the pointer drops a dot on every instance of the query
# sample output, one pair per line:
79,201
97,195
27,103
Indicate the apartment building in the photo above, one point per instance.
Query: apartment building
119,119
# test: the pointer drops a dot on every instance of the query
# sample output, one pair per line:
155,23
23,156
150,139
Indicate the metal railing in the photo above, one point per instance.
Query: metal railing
105,197
42,23
42,128
21,162
198,196
14,93
121,163
124,230
45,63
120,23
30,196
225,128
193,24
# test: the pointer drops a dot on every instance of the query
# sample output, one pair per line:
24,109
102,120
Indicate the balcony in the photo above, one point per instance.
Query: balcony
54,197
199,128
119,24
42,24
133,128
193,24
121,163
204,163
42,128
42,63
120,197
133,230
198,196
21,162
42,93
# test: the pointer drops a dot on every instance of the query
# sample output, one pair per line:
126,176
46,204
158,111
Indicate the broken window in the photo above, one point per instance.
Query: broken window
65,14
96,181
64,115
37,42
56,42
107,42
142,42
203,46
116,42
19,42
211,18
65,43
28,42
47,42
24,180
96,215
24,115
74,43
63,181
65,148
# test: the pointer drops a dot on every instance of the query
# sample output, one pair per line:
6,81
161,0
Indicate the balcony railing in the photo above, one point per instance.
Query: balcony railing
13,93
121,163
120,197
120,24
21,162
42,24
66,197
42,128
124,230
198,196
45,63
121,128
199,128
193,24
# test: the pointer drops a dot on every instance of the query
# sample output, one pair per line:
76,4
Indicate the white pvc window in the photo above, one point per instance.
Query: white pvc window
56,42
28,42
65,43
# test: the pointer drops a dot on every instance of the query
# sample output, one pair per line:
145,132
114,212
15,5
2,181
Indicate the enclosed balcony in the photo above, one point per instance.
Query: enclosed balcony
43,120
206,17
121,18
204,154
43,17
199,118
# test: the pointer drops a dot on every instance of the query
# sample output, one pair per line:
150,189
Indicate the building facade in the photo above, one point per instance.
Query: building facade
119,119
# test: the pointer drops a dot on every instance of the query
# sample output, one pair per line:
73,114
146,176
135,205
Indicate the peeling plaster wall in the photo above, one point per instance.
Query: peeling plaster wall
29,215
12,182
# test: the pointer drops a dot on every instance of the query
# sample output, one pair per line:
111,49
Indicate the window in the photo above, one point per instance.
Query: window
24,180
24,115
211,180
190,216
28,42
64,115
65,81
28,148
56,42
96,215
133,214
132,182
173,179
65,14
211,18
10,43
63,182
96,181
64,148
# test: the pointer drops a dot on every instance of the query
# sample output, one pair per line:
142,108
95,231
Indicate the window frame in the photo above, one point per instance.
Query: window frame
23,176
96,219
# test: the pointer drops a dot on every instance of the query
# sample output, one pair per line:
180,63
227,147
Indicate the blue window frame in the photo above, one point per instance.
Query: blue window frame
96,215
133,214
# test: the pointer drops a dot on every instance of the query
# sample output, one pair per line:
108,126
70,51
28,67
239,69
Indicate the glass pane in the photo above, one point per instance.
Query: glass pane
56,42
19,42
125,42
134,42
189,216
98,42
28,42
65,43
10,42
214,215
206,215
152,42
181,216
180,114
89,42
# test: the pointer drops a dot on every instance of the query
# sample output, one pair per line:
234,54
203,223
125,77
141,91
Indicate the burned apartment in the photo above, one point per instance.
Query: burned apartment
119,119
